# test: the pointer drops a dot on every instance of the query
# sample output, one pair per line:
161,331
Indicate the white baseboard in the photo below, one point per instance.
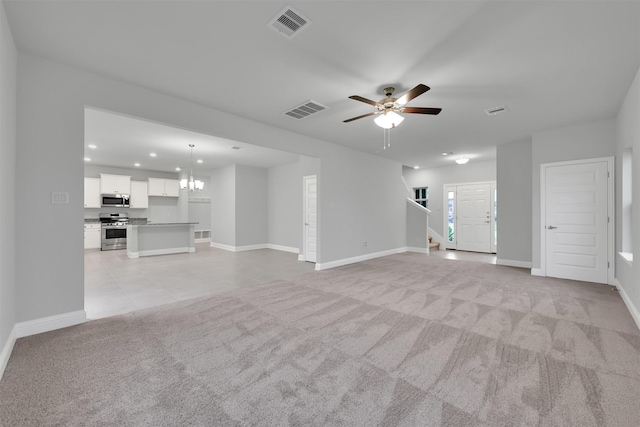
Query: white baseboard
627,301
418,250
223,246
301,257
5,354
537,272
205,240
51,323
360,258
283,248
513,263
153,252
254,247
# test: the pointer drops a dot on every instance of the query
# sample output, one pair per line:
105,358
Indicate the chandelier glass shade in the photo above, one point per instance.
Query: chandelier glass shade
191,184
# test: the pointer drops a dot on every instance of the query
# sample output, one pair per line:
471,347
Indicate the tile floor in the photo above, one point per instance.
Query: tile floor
115,284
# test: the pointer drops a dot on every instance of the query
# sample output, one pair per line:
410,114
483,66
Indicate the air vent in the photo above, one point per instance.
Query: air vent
496,110
289,22
305,110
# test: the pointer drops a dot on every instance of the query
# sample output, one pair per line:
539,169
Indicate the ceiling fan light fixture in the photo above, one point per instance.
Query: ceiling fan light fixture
388,120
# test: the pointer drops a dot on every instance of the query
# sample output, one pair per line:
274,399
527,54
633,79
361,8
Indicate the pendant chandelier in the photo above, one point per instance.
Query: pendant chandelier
191,184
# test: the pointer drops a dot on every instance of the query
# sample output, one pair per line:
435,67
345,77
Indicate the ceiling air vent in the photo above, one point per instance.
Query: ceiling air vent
496,110
289,22
305,110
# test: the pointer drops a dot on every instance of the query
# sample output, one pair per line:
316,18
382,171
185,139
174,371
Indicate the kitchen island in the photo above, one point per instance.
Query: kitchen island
156,238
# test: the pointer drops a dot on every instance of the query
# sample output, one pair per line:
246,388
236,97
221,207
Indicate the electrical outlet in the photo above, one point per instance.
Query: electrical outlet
365,244
59,198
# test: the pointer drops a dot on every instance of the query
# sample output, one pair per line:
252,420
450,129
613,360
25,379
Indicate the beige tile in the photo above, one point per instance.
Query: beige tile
116,284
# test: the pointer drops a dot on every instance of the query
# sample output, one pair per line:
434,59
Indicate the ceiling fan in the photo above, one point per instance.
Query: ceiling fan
388,107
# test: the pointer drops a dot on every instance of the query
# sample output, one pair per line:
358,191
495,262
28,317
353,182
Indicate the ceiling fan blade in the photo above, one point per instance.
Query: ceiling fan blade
365,100
421,110
360,117
416,91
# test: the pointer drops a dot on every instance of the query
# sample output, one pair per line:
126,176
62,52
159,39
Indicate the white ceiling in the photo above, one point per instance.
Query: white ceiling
122,141
551,63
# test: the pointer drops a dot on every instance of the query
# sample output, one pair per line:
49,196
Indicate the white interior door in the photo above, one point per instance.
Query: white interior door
576,221
473,217
310,239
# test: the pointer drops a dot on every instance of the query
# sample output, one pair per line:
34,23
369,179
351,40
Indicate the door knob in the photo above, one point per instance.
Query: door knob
551,227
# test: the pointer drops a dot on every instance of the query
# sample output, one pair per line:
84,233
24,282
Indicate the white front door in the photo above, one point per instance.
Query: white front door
576,221
474,217
310,239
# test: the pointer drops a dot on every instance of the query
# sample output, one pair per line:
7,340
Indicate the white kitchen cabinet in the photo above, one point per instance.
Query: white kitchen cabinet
92,193
139,195
92,236
164,187
115,184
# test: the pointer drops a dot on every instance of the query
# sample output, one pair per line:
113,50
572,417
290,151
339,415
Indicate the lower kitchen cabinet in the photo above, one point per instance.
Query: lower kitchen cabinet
92,236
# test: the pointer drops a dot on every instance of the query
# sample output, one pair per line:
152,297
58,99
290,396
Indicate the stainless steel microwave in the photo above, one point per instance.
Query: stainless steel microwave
115,200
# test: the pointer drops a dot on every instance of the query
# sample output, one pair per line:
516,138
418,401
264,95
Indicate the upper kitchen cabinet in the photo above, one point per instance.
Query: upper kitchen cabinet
115,184
139,195
164,187
92,193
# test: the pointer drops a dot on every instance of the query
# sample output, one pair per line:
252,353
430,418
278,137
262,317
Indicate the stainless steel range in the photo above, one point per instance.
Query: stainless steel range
114,231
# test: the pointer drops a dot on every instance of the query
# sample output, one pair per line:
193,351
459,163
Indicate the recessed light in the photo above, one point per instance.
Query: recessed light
178,169
416,167
92,146
153,154
462,161
87,159
136,165
447,154
199,160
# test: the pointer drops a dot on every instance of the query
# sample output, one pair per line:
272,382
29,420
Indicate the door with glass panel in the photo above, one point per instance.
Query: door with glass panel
470,217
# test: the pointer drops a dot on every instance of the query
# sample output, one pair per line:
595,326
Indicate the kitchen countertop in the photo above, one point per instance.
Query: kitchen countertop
164,223
133,221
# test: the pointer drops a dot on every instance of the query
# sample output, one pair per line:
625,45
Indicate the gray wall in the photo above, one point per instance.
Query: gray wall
514,201
362,199
583,141
251,206
284,205
161,209
417,233
199,211
223,205
628,136
8,62
435,178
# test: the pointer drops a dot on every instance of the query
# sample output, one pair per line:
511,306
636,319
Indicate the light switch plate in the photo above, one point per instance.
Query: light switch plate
59,198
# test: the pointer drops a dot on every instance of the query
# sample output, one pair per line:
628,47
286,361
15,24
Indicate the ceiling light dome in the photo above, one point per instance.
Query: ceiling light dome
462,160
388,120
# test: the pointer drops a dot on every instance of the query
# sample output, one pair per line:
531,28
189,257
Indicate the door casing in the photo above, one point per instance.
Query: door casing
305,256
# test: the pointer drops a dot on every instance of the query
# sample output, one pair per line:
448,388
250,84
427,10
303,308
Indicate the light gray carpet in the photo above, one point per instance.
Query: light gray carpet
406,340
